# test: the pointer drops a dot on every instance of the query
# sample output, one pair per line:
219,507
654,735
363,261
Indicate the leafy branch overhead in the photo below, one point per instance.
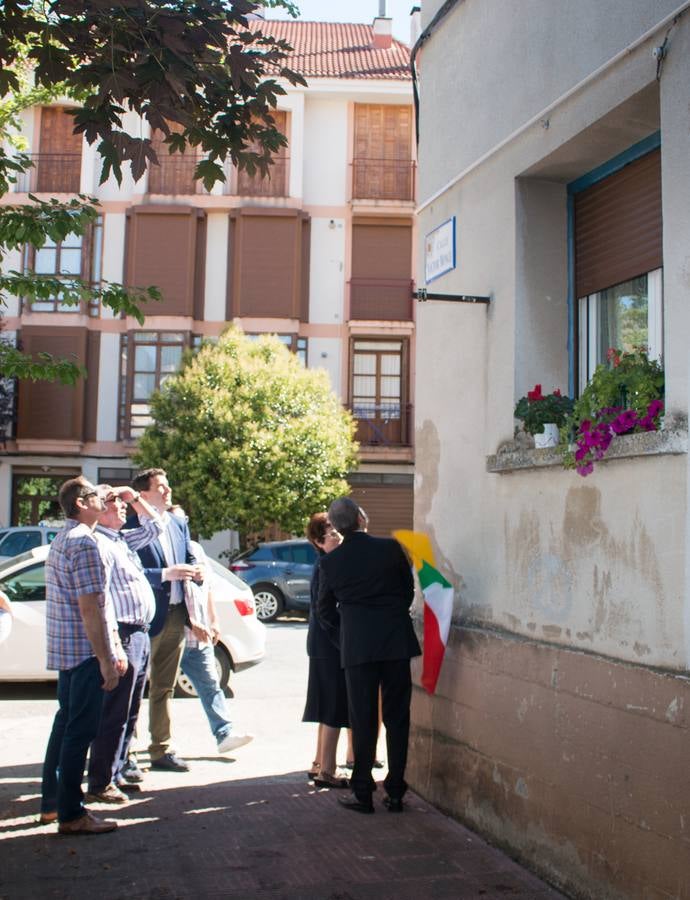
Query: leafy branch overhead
194,71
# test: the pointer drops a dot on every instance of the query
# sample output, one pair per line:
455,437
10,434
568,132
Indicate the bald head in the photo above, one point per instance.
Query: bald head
343,514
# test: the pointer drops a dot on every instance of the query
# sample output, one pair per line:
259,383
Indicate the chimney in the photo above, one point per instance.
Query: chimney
383,30
415,24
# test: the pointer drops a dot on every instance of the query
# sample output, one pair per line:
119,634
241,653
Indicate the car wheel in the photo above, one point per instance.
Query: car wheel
185,688
268,601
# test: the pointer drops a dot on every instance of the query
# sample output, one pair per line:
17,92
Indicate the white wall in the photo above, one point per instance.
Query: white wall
113,252
325,152
108,387
327,271
326,353
215,291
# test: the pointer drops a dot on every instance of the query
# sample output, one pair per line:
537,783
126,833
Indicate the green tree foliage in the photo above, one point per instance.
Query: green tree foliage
193,70
249,437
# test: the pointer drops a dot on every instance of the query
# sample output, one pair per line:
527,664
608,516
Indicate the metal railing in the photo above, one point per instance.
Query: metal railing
174,174
275,184
387,424
383,179
381,298
52,173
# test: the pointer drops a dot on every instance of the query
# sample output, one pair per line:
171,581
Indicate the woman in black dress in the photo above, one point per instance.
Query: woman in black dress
326,691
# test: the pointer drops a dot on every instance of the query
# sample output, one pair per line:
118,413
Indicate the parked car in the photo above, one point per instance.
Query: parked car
22,538
279,573
23,655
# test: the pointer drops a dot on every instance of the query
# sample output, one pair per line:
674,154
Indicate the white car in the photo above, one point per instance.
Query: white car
23,654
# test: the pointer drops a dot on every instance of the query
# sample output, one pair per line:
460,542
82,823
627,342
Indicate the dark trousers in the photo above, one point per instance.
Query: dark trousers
80,697
363,683
120,711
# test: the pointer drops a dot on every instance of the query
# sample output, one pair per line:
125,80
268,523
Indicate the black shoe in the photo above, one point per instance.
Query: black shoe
170,763
356,805
393,804
131,772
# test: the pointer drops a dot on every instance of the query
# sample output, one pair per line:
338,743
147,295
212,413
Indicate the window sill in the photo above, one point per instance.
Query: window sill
520,453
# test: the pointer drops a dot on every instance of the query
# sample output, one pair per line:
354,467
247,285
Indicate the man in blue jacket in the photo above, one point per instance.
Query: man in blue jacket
168,562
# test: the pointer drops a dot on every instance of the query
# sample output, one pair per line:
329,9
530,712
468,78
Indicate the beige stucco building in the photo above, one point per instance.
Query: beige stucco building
561,724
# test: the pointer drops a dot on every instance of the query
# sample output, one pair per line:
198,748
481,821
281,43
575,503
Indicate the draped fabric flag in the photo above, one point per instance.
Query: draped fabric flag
438,604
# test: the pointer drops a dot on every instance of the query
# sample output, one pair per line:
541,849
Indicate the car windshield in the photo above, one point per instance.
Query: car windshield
16,542
29,583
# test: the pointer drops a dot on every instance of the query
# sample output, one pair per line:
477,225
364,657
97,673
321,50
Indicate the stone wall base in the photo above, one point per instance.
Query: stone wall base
578,766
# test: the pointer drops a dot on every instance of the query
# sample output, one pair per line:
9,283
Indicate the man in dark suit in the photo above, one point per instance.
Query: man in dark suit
168,561
365,595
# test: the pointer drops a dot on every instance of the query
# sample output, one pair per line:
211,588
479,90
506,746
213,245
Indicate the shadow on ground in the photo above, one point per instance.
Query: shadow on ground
267,838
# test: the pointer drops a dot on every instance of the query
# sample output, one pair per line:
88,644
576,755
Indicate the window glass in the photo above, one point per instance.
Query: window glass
45,260
304,554
258,555
19,542
28,584
284,554
145,359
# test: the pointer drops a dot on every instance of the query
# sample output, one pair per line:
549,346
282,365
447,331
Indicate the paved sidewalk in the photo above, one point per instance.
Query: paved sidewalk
238,827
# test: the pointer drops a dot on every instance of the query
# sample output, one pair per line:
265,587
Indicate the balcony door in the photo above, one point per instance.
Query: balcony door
378,383
58,168
382,163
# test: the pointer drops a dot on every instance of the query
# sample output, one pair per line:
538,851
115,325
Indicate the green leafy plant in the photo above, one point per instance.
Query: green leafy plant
625,395
538,409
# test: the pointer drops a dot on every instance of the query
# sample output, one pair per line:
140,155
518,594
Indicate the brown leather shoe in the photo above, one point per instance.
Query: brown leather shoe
86,824
47,818
110,794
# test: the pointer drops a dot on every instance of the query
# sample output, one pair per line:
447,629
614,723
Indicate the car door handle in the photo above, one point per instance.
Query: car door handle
288,570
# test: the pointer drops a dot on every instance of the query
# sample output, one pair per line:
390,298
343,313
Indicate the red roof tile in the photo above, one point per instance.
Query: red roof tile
338,50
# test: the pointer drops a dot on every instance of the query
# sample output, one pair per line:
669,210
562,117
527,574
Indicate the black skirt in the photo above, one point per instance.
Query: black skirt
326,693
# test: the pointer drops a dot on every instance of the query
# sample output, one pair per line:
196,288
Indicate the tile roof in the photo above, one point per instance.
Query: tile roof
338,50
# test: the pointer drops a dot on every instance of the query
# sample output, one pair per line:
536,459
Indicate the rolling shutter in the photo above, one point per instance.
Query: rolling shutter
269,264
389,506
381,283
165,248
618,226
49,410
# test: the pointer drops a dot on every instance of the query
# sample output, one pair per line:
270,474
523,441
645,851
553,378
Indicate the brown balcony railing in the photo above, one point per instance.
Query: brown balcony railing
387,424
174,175
381,298
383,179
52,173
275,184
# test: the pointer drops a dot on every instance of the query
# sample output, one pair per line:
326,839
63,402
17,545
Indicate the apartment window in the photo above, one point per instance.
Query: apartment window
378,400
35,498
382,165
625,315
617,266
276,183
381,280
57,166
77,256
294,343
148,359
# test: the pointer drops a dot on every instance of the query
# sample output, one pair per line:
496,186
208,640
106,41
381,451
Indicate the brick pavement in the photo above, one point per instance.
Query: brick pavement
269,838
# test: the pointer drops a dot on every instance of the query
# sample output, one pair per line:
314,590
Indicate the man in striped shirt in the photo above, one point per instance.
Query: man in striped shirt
84,646
134,605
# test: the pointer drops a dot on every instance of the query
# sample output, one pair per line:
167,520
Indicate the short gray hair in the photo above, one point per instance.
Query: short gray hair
343,514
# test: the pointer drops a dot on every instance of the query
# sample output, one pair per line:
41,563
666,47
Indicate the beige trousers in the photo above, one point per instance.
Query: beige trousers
166,652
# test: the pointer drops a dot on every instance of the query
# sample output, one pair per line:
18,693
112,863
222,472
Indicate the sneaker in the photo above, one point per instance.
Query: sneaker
233,741
170,762
109,794
131,772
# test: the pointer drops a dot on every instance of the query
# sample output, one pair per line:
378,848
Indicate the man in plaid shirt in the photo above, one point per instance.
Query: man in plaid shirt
84,646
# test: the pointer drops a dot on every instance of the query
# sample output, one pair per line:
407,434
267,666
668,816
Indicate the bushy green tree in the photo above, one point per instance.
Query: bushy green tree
193,70
249,437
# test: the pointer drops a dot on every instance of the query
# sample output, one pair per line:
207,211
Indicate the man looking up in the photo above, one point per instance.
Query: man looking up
365,594
134,607
168,561
84,646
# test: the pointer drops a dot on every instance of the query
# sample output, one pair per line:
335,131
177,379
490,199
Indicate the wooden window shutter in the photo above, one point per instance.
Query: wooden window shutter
59,162
269,264
166,248
618,226
49,410
389,506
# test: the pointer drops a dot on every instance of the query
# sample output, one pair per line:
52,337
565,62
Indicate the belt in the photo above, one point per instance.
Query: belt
126,628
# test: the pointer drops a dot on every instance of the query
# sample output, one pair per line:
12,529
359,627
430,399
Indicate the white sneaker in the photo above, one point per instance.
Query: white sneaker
233,741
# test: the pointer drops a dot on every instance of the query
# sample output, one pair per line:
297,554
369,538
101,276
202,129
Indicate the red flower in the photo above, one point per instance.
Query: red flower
557,392
536,394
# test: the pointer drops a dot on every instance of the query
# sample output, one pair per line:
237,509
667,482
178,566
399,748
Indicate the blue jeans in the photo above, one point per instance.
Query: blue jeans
199,665
80,698
120,712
